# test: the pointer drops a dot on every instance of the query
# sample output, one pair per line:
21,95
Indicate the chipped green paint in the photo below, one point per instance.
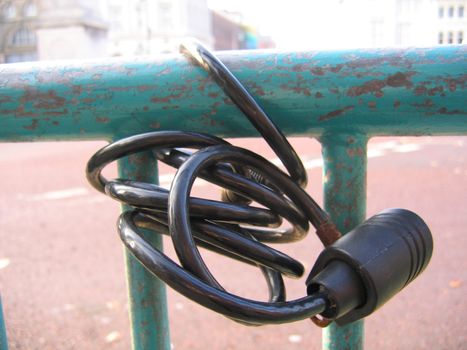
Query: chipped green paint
344,174
375,92
146,293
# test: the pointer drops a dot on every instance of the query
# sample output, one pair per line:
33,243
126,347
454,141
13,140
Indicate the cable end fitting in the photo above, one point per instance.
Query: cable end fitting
369,265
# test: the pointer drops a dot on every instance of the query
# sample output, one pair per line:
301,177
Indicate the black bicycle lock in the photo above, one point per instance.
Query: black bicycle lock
353,276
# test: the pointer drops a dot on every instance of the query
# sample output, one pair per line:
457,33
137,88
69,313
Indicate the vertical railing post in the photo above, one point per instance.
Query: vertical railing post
3,338
344,178
146,293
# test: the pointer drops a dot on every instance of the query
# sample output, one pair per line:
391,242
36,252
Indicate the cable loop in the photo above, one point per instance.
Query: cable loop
233,227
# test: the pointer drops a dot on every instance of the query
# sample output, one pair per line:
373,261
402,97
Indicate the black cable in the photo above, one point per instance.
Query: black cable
233,228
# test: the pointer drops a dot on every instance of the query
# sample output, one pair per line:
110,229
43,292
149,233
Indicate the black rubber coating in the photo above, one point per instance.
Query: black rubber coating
383,255
233,228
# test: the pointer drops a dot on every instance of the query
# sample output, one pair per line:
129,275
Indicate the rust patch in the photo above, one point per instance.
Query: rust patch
166,99
55,122
435,90
452,83
227,101
372,86
213,94
297,89
427,103
335,113
43,100
57,113
444,110
328,233
145,108
33,126
376,86
420,90
397,104
319,95
155,125
103,120
143,88
300,67
400,79
257,89
337,68
396,60
372,104
164,71
170,107
334,90
352,152
77,89
317,71
5,98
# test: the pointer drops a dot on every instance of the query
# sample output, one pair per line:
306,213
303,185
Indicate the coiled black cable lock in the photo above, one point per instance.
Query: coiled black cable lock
352,277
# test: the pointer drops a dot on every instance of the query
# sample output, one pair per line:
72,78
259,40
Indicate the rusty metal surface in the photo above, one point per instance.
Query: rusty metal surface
146,293
344,178
376,92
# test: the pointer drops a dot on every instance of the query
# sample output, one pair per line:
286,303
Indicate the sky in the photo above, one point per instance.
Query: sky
300,24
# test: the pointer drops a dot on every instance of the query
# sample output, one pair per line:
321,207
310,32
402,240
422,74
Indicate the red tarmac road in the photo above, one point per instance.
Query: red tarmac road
62,273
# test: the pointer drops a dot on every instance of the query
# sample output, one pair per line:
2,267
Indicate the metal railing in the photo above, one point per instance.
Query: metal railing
342,98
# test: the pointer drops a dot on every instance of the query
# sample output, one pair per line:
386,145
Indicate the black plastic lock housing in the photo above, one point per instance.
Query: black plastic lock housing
367,266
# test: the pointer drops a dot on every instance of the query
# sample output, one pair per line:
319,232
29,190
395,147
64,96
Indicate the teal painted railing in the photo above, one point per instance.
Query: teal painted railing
342,98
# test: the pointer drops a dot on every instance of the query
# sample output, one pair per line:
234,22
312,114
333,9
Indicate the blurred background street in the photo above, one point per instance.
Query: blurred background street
62,271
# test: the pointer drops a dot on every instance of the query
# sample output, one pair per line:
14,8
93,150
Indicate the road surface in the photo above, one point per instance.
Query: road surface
62,273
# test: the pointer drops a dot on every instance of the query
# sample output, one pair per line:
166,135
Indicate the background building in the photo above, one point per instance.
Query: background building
50,29
155,26
230,32
18,40
452,21
76,29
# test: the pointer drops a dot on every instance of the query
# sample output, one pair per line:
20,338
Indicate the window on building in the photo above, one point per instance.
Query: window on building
30,9
460,37
451,11
165,15
441,12
460,11
450,38
23,37
9,11
440,37
21,57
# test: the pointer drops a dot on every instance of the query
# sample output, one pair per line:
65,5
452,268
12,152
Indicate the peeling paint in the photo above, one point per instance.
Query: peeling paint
102,119
43,100
376,86
335,113
33,126
444,110
167,98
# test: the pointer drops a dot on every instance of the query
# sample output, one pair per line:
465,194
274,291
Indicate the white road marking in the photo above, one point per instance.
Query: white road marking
295,338
4,263
375,151
112,336
54,195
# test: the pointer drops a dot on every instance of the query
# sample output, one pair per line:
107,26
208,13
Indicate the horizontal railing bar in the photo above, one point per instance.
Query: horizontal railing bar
374,92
